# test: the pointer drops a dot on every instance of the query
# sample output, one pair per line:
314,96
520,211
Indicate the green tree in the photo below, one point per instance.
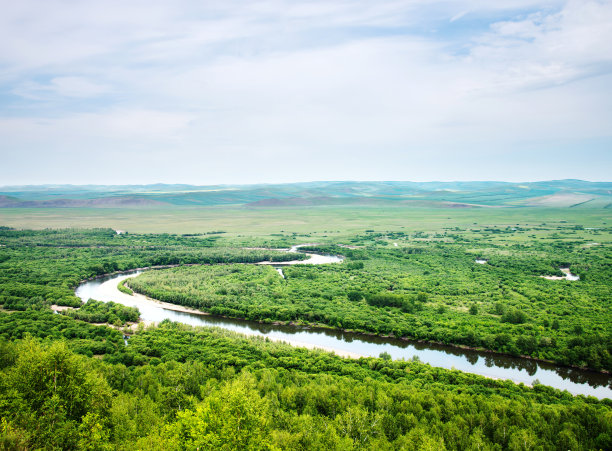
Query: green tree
93,435
234,417
354,296
49,390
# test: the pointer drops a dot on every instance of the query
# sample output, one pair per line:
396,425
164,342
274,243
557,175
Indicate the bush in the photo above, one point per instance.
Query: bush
514,316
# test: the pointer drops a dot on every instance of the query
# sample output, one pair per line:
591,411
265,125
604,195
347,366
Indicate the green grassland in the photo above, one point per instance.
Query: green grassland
336,221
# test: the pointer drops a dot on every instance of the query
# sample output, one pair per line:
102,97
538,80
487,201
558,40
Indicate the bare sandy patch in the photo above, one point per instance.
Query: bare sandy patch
568,276
61,308
559,200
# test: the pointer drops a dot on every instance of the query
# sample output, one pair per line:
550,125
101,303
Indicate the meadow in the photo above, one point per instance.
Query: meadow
320,221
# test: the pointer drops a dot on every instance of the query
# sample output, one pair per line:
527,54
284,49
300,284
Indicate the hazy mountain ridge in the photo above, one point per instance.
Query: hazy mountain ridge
554,193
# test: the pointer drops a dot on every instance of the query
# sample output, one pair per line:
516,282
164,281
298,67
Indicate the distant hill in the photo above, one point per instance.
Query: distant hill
554,193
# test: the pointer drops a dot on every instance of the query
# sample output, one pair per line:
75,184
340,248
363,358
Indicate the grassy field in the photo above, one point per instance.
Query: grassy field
318,222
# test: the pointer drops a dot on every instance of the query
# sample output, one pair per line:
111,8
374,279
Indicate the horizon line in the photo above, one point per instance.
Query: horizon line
33,185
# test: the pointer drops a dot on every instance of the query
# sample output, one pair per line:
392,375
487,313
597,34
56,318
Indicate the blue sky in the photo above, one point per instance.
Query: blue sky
280,91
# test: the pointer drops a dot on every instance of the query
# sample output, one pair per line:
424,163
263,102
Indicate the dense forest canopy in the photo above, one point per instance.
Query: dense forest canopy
428,290
68,383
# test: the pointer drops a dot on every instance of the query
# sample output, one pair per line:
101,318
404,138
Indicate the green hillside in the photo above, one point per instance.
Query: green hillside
556,193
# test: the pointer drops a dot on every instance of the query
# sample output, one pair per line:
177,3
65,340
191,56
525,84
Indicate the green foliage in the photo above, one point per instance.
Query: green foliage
232,417
437,294
92,433
79,336
514,316
104,312
390,300
123,288
354,296
385,356
354,265
48,391
11,438
176,387
211,388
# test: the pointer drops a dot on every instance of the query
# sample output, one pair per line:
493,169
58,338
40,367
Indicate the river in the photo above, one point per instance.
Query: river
576,381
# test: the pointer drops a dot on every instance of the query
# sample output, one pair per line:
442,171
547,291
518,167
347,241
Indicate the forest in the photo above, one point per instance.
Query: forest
175,387
67,382
104,312
430,290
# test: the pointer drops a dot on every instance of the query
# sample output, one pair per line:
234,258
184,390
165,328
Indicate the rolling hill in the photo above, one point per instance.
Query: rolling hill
555,193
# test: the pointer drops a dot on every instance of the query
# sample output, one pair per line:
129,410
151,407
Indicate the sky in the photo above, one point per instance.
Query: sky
208,92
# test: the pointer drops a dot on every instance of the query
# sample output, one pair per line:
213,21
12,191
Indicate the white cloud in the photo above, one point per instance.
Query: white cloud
223,83
458,16
74,87
547,49
77,87
94,130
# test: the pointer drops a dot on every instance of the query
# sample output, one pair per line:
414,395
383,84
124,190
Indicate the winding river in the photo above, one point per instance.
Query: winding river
519,370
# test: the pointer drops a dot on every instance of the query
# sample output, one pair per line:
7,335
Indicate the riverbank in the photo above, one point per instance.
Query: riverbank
355,344
311,260
361,333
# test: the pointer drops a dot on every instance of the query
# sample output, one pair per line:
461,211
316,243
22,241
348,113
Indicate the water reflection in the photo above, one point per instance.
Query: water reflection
473,359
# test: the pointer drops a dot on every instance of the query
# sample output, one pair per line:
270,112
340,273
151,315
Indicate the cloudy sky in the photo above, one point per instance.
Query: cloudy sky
231,91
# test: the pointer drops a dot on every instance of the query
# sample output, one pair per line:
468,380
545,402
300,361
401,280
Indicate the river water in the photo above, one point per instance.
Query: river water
355,345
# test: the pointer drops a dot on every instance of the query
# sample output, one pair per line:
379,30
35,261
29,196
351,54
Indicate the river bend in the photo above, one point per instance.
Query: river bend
348,344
